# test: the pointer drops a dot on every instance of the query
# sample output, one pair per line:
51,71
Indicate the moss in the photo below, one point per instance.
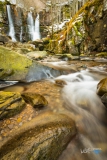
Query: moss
13,61
66,13
76,31
75,27
102,54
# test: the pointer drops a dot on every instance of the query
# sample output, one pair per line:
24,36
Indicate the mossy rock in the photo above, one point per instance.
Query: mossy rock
10,104
14,62
102,54
5,73
43,138
23,68
36,100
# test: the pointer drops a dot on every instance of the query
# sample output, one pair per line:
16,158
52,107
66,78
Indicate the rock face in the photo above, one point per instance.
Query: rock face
86,32
43,138
36,100
10,104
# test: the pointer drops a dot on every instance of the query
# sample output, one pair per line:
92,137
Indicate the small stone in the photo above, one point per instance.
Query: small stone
20,124
8,121
10,126
19,120
30,119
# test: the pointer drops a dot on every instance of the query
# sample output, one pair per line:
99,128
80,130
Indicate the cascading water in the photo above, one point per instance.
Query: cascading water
83,105
37,28
33,27
21,33
11,26
80,98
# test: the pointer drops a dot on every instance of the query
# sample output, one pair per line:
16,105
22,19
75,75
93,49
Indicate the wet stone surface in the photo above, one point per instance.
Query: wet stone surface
47,89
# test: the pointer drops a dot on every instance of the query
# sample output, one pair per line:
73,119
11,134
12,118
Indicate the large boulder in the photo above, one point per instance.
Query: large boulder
102,87
10,104
43,138
17,67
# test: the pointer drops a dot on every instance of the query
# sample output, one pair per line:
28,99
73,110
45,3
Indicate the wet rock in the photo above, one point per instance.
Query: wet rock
36,100
104,99
37,72
60,82
4,84
11,103
102,87
43,138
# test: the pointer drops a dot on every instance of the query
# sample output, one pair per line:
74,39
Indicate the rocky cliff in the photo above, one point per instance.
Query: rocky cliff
86,32
49,14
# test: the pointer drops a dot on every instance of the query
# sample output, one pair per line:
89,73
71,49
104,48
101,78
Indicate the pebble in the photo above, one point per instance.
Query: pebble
20,124
10,126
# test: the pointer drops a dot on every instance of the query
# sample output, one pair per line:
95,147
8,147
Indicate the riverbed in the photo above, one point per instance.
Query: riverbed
73,94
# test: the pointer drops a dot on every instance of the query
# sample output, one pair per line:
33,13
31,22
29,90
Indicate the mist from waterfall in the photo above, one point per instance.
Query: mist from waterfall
33,27
11,25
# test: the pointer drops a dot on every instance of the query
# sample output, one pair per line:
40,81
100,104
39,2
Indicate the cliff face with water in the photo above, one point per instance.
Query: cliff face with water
21,24
86,32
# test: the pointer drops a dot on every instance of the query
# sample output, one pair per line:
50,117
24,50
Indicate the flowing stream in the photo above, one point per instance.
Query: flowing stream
11,25
82,104
79,96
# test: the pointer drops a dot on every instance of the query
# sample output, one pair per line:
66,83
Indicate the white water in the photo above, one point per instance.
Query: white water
21,32
80,98
33,27
11,25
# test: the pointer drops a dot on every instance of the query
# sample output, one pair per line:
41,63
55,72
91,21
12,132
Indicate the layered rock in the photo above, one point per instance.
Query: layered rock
44,137
10,104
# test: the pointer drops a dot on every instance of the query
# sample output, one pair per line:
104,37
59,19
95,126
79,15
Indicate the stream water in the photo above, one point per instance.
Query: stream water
79,98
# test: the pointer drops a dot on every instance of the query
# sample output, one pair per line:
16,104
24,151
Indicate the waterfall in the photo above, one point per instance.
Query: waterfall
21,33
37,28
33,27
11,26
